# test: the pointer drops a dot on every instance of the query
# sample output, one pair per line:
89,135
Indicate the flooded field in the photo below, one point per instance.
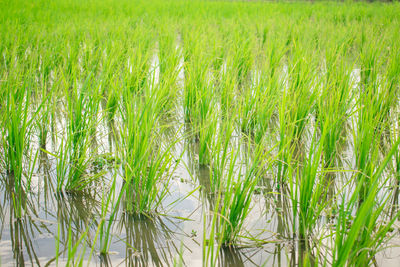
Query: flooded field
201,133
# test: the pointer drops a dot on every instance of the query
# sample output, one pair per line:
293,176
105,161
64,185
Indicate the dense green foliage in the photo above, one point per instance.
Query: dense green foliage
297,102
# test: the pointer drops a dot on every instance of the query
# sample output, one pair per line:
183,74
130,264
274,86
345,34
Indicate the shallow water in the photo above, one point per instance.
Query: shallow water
156,241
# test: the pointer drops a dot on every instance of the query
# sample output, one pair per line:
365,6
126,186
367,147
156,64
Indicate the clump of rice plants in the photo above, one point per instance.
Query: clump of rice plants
138,61
15,139
114,113
301,90
308,189
198,91
242,54
146,162
207,134
235,180
334,103
267,90
358,243
17,126
74,155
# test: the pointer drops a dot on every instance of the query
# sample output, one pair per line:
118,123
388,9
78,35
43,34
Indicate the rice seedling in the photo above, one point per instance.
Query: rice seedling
308,189
367,135
218,52
395,167
198,91
392,72
138,62
169,55
114,113
301,89
267,88
334,103
146,162
105,225
285,144
235,205
169,68
222,156
358,243
74,156
15,140
207,134
243,55
17,126
232,203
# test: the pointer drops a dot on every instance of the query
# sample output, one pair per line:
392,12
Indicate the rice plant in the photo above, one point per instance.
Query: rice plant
74,155
146,162
359,242
334,103
114,113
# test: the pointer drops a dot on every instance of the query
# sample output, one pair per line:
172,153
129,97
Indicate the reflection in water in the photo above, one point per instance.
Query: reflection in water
22,229
204,179
21,232
329,180
113,135
290,249
149,240
191,147
45,187
284,222
105,260
230,257
395,203
75,214
202,173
